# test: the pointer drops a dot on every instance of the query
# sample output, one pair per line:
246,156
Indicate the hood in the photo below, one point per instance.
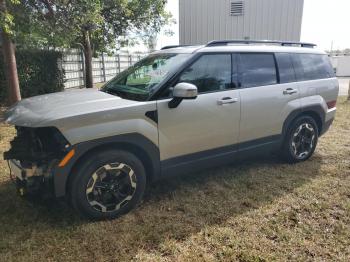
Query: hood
43,110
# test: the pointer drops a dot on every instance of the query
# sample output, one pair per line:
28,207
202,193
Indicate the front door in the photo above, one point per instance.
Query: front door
207,126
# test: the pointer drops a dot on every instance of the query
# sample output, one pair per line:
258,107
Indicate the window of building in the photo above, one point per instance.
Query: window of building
312,66
209,73
285,68
257,70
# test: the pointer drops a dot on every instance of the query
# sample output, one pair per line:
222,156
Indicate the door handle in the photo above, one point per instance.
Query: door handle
290,91
227,100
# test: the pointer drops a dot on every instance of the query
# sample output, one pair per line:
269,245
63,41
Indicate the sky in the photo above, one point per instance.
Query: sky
324,21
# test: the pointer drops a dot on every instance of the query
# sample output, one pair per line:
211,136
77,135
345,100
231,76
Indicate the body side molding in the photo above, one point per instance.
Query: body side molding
218,156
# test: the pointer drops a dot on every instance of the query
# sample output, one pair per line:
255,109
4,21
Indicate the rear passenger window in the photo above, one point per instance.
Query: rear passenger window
285,68
257,70
312,66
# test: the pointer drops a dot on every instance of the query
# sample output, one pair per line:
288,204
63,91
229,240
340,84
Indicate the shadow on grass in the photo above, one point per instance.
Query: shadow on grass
172,209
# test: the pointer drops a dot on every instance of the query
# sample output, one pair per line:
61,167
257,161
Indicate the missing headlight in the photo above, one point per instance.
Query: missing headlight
37,145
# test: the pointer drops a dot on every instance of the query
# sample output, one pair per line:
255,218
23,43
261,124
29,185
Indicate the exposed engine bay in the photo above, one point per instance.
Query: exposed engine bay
33,154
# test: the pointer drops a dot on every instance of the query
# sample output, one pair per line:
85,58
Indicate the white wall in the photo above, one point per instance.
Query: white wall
205,20
342,65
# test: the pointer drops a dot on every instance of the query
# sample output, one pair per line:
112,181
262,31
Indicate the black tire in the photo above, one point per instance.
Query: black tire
108,165
290,146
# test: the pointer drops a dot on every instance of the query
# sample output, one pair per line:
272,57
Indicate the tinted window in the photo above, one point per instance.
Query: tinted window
257,70
312,66
285,67
209,73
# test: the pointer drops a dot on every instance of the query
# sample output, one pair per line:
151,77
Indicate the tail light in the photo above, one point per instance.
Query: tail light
331,104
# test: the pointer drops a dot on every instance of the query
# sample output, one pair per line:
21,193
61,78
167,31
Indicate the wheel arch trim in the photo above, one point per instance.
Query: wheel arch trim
135,143
315,111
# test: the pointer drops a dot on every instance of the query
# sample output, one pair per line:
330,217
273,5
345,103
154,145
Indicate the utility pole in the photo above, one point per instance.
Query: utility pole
8,50
332,48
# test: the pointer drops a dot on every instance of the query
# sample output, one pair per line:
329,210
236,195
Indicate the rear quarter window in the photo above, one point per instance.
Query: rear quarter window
312,66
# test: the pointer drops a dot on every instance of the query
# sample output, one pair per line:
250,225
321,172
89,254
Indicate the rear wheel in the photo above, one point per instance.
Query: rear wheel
108,184
301,140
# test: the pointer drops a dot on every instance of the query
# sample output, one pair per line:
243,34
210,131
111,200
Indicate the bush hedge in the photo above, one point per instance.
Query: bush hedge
39,72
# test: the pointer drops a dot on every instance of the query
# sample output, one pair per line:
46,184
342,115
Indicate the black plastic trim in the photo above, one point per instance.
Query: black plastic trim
219,156
153,115
317,109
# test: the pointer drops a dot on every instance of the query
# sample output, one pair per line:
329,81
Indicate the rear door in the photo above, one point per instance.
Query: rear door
269,93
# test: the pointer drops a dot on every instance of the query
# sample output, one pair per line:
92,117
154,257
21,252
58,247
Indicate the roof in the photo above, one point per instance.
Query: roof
261,48
180,49
245,46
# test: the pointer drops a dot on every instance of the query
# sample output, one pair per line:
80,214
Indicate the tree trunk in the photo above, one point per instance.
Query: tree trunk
8,49
88,61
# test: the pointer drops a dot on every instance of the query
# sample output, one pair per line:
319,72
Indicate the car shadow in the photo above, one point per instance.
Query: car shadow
172,209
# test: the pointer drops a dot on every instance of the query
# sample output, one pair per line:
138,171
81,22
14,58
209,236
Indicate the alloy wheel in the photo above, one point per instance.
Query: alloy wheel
111,187
303,141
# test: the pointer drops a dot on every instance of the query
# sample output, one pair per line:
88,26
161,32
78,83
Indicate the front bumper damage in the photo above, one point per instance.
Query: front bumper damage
33,157
31,180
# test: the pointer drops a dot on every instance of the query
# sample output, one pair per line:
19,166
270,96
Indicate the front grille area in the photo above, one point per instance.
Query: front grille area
36,145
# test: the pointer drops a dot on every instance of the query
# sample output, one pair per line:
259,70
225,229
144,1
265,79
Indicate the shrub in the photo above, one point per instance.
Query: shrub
39,72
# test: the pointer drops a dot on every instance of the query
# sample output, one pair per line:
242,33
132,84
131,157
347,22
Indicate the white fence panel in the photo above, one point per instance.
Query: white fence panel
104,67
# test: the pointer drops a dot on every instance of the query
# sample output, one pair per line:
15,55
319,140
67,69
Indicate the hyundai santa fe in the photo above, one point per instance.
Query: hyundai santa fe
180,109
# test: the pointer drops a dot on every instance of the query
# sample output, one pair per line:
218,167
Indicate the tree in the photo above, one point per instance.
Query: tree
94,25
8,49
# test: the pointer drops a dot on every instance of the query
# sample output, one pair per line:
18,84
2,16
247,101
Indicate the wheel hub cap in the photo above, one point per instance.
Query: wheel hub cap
111,187
303,140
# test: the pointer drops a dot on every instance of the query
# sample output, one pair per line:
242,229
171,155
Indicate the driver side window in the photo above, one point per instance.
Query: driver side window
209,73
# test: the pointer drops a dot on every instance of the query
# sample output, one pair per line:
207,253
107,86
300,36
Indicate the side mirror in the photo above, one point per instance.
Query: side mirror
183,91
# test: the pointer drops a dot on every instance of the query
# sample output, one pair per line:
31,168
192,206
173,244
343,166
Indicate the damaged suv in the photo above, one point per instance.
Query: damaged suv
178,110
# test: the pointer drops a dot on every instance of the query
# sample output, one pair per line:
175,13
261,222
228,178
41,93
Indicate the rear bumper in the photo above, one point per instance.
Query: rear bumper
329,118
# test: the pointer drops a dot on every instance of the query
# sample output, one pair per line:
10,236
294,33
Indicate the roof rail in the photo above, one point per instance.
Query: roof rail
282,43
172,46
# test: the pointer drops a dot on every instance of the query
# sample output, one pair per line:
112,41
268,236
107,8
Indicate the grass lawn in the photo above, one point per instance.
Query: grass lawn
260,210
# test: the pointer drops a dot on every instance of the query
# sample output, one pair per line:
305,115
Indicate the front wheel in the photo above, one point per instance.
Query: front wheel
301,140
108,184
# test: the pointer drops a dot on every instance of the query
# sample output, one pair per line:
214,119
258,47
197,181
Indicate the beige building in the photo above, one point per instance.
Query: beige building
204,20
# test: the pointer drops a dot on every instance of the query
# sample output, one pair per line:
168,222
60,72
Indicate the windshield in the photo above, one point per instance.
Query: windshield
140,81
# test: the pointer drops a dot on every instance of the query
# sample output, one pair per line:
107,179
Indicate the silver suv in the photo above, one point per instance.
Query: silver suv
180,109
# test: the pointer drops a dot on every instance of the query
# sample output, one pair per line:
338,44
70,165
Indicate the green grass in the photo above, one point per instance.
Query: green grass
259,210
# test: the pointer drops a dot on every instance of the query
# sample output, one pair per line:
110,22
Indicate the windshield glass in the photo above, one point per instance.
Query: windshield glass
139,82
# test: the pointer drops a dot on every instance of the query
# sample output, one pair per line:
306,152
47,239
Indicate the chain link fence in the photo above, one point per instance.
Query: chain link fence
104,67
